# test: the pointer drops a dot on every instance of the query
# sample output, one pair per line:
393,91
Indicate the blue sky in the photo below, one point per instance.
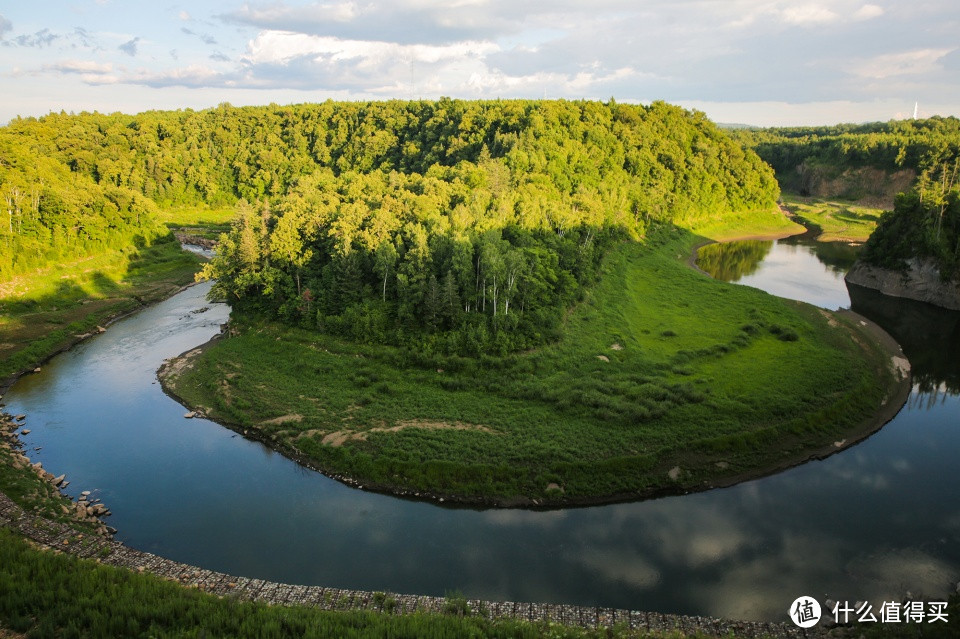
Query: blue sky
764,62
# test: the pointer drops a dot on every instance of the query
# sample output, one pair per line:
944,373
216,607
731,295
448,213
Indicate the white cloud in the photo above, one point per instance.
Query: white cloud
869,11
282,46
80,66
812,56
809,14
918,62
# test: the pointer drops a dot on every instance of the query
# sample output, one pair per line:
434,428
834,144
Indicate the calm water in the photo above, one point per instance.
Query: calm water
868,523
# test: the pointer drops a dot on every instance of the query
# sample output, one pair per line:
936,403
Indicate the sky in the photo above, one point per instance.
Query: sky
758,62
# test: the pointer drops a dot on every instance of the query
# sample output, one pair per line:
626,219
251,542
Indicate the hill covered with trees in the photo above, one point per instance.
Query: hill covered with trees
464,226
873,161
479,220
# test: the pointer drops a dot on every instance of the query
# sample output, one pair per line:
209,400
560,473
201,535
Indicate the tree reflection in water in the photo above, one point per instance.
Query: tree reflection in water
929,335
730,261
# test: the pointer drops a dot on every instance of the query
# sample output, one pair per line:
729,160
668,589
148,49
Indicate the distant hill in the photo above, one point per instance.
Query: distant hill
870,163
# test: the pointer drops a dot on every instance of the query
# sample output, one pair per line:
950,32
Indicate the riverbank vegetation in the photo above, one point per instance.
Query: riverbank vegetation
662,380
924,225
44,311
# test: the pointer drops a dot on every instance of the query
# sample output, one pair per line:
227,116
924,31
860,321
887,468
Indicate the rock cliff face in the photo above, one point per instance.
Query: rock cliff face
921,281
866,186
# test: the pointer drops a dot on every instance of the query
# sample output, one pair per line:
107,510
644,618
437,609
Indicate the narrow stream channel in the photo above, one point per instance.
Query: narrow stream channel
869,523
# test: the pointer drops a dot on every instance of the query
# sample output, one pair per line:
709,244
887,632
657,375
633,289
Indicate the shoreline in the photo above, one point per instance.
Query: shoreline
111,319
897,395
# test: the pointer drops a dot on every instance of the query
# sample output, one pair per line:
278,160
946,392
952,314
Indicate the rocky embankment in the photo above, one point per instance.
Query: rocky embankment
196,240
87,508
921,281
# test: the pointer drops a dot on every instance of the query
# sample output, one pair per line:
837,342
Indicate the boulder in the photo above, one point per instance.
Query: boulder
190,415
57,481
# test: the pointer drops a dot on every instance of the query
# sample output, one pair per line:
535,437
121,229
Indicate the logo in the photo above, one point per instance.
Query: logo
805,612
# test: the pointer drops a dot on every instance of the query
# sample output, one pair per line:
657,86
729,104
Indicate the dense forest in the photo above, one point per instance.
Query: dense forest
464,225
53,214
919,145
480,245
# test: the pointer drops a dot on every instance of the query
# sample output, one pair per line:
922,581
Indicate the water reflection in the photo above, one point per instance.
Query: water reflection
839,256
929,335
796,268
730,261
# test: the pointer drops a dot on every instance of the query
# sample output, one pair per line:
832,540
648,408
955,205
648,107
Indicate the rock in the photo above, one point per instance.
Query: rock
616,346
603,358
190,415
36,370
20,418
57,481
64,484
25,431
85,493
101,329
674,473
921,281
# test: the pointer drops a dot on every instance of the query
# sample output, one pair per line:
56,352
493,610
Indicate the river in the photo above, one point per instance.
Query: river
870,523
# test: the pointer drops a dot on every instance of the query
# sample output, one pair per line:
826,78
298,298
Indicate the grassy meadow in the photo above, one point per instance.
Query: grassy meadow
199,221
664,381
838,221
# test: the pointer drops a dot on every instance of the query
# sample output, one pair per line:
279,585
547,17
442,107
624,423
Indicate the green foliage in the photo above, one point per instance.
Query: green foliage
794,153
925,223
474,224
478,241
